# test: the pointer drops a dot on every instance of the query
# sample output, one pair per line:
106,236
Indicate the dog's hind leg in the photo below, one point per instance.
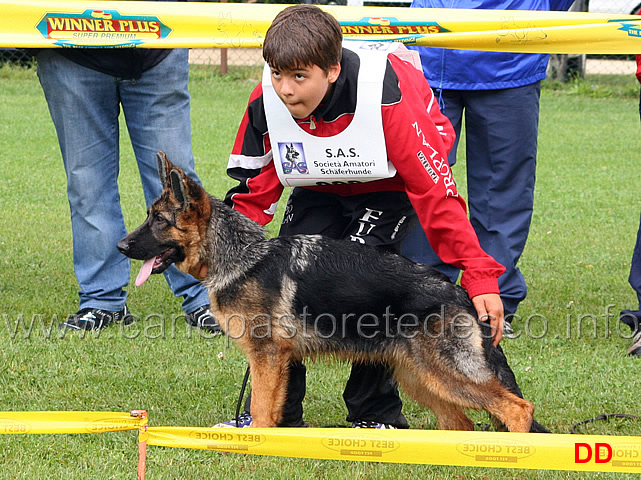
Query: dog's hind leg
449,416
508,409
269,376
499,365
512,411
447,393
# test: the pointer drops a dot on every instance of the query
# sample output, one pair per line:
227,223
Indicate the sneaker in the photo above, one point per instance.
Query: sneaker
244,420
95,319
508,331
203,318
635,348
371,424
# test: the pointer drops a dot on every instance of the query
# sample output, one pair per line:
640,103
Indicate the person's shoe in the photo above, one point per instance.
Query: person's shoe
508,331
635,348
203,318
95,319
371,424
244,420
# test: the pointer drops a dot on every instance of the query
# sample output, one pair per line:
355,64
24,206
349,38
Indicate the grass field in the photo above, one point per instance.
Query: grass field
569,358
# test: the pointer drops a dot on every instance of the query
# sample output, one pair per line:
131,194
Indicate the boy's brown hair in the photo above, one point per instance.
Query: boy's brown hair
301,36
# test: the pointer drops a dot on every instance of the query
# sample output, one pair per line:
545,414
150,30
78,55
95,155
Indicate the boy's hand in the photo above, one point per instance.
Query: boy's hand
490,308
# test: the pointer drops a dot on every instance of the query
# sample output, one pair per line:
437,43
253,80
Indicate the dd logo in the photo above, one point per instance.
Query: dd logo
584,452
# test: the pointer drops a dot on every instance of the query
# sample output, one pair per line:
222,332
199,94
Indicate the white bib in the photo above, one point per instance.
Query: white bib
355,155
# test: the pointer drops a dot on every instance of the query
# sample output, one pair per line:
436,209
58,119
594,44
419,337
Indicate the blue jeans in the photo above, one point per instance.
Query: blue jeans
501,132
85,106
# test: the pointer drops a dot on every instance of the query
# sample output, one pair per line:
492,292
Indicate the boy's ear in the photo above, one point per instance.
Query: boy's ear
333,72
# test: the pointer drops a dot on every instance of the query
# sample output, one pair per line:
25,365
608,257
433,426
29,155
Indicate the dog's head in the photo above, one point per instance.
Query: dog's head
175,227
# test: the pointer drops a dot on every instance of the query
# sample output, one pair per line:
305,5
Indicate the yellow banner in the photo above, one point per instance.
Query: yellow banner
68,422
82,23
433,447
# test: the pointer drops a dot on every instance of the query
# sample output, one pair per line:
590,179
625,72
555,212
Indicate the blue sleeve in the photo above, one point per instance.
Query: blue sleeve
560,5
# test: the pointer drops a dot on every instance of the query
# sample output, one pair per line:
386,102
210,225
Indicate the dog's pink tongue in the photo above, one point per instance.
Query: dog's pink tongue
145,271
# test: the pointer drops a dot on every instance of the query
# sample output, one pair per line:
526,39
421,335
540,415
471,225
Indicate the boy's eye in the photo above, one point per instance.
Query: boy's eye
275,74
300,76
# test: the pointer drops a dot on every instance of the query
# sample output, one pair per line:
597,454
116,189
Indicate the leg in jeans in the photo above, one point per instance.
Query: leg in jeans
84,106
157,113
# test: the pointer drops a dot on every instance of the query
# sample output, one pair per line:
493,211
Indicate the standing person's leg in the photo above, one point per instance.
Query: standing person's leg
501,134
84,107
632,318
157,112
635,268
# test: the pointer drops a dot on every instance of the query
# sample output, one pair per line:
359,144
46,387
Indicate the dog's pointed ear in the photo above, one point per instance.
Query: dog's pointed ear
164,167
179,188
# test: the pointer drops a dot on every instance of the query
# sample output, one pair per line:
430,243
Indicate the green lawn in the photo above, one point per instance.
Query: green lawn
569,359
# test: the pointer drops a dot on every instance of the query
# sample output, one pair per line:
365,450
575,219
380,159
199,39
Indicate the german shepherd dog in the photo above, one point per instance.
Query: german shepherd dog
287,298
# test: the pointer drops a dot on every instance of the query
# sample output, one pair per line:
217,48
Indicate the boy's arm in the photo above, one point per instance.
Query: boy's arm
251,163
418,142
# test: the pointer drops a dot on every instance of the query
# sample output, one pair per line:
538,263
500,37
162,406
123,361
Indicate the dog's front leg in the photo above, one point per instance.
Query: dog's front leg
269,377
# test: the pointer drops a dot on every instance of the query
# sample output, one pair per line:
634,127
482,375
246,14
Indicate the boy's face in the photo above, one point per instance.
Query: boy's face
304,88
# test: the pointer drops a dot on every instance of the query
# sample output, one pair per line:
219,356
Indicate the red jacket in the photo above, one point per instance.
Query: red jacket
415,131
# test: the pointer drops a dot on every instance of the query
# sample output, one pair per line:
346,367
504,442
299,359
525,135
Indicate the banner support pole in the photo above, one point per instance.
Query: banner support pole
143,435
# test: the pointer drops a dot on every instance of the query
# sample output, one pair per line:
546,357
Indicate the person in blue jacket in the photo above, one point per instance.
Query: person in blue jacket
498,93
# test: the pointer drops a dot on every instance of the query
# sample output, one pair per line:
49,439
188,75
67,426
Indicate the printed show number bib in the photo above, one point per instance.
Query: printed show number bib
355,155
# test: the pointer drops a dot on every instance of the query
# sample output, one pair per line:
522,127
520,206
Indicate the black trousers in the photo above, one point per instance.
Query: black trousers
380,219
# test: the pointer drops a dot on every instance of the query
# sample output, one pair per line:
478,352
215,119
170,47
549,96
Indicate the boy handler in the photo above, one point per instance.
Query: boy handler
357,132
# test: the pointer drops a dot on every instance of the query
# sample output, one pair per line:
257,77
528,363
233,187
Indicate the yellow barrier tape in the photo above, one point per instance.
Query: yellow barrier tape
74,23
433,447
475,449
68,422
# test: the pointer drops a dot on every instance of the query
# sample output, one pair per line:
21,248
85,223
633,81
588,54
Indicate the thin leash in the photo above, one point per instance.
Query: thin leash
241,396
603,416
